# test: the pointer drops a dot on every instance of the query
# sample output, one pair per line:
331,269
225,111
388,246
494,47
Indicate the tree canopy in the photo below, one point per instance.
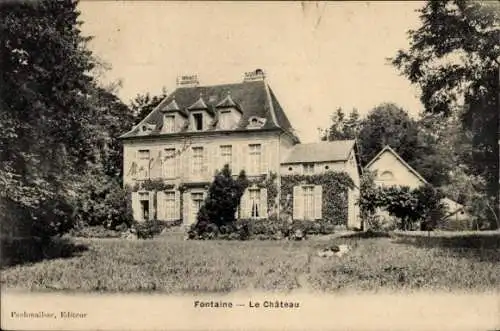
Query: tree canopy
454,58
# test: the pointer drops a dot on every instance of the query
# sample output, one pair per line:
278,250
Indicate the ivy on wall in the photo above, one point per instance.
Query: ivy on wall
335,187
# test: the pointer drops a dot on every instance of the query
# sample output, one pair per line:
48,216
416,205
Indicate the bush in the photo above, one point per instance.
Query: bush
104,203
148,229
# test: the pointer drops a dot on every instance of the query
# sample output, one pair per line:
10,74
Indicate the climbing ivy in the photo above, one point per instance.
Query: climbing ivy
335,187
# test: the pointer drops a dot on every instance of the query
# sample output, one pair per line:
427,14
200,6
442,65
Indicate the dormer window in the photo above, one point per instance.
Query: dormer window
255,122
198,121
225,119
169,123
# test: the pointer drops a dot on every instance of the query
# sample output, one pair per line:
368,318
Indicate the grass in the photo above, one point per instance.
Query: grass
171,265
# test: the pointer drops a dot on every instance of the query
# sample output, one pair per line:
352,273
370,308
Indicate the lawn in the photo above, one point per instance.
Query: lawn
169,264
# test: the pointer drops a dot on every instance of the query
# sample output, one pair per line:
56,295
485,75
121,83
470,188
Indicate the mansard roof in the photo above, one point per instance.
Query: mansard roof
325,151
254,98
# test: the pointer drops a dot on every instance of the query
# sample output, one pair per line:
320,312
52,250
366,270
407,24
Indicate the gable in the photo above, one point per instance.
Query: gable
392,171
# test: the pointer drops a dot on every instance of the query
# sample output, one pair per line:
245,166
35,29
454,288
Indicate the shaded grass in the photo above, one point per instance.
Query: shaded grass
170,265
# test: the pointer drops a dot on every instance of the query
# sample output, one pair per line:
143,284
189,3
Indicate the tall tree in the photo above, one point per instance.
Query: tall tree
143,104
45,85
454,58
388,124
342,127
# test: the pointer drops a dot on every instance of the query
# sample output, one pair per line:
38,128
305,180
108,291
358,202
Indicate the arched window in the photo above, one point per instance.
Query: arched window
386,175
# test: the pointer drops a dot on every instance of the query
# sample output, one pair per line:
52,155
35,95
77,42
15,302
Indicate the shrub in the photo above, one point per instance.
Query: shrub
103,202
148,229
220,205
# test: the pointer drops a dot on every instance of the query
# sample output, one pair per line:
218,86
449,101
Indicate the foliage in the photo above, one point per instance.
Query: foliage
335,186
222,201
143,104
469,190
454,59
102,201
342,127
388,124
46,118
151,228
409,206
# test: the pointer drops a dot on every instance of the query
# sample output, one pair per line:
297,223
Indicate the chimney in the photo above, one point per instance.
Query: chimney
251,76
188,81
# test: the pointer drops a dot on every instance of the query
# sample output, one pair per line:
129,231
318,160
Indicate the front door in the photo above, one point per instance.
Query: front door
196,203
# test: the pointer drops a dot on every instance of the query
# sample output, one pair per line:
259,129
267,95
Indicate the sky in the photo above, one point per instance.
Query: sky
317,57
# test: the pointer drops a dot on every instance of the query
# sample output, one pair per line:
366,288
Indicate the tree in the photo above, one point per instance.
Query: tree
222,201
453,58
388,124
143,104
46,123
342,128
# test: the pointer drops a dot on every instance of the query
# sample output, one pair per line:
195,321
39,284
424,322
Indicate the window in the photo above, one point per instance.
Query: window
198,121
144,200
197,160
255,158
144,163
225,119
169,163
308,168
169,123
226,155
308,192
386,175
170,205
254,196
197,199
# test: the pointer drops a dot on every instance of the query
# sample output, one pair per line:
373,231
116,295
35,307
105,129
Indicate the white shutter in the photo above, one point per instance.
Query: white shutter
244,150
244,205
264,159
152,211
263,203
318,201
238,161
298,203
177,205
160,206
136,206
188,162
185,208
206,163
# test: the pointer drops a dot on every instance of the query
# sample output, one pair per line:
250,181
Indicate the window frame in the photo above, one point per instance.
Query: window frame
255,156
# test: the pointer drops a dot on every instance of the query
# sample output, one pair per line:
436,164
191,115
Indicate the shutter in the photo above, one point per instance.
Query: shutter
136,206
264,159
136,161
177,163
298,203
318,201
245,204
185,208
243,158
152,211
188,162
160,206
237,164
206,163
263,203
177,205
